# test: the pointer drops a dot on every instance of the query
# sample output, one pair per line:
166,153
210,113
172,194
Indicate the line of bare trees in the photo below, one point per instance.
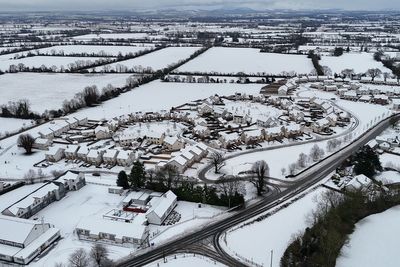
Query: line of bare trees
96,257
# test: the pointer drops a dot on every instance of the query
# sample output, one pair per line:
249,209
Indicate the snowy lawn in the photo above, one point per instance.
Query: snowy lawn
247,60
185,260
48,91
256,240
159,59
11,125
388,177
360,62
375,241
91,201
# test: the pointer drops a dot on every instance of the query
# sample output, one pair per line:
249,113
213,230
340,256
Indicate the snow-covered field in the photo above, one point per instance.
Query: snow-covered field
88,37
360,62
255,241
158,95
375,241
11,125
48,91
185,260
38,61
247,60
96,49
158,59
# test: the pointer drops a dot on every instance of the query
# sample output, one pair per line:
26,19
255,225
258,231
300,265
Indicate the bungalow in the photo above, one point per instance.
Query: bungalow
110,156
359,182
321,125
55,154
331,88
125,158
72,181
274,133
81,120
381,99
293,130
116,190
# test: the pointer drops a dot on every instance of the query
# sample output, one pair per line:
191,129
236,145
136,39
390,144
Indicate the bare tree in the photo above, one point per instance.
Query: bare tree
292,168
348,73
260,169
373,73
316,153
217,160
26,141
30,176
79,258
229,186
302,160
283,171
99,254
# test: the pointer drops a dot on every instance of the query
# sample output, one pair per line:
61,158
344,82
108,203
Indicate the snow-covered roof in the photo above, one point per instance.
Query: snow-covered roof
117,228
170,140
71,148
110,153
179,159
160,205
359,181
124,154
15,229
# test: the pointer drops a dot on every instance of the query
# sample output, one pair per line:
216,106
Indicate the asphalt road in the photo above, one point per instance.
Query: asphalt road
305,180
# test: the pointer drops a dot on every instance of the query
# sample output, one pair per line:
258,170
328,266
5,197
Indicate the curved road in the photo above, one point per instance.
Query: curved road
306,179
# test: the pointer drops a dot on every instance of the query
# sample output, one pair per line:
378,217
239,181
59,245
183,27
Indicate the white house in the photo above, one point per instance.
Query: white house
161,207
55,154
155,137
72,181
173,143
110,156
125,158
102,132
71,152
94,156
42,143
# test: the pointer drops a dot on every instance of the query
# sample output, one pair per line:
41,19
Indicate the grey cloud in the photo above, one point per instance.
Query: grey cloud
159,4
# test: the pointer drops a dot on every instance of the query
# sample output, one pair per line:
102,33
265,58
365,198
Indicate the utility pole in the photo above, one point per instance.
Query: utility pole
272,255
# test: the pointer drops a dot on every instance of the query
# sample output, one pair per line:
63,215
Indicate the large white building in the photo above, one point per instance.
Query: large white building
111,231
22,240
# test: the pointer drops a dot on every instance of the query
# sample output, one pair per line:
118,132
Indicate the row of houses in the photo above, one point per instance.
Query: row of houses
186,157
62,125
91,156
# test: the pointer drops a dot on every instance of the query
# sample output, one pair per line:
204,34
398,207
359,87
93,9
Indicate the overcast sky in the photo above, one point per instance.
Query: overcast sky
87,5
